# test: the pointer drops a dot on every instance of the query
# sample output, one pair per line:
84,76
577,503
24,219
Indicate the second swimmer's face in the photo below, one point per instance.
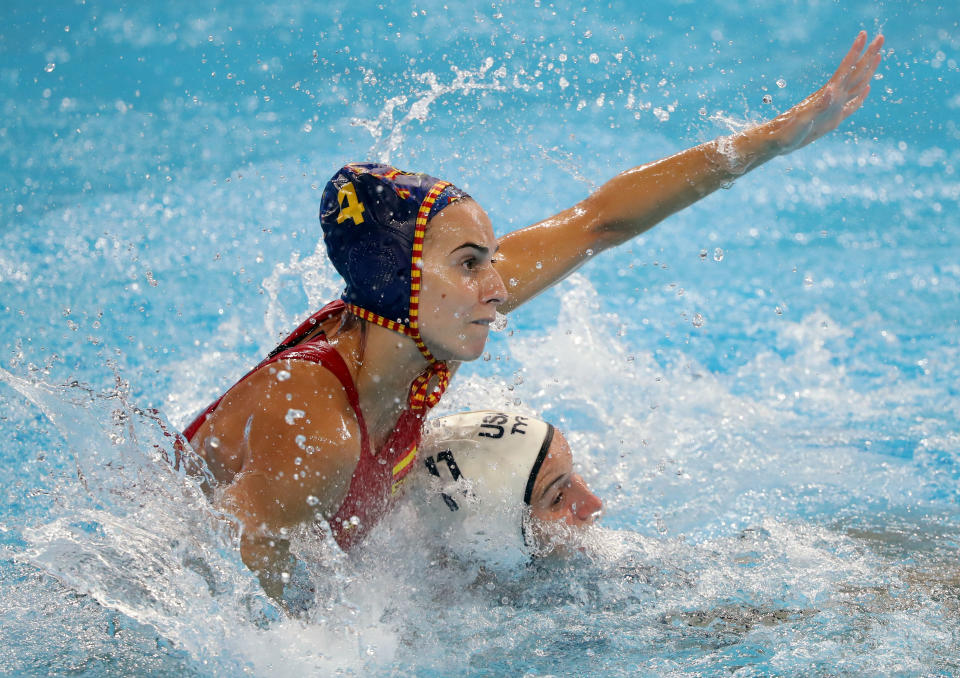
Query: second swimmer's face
559,495
460,287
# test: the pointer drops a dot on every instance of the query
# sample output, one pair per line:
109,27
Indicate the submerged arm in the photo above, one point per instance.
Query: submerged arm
536,257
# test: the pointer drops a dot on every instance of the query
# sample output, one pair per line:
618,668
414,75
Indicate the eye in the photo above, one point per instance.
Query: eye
557,500
469,263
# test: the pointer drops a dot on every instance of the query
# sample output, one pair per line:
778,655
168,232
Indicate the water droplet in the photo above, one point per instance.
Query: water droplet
297,461
285,577
292,415
781,83
718,254
594,58
514,282
697,320
283,375
211,444
563,82
49,67
301,441
354,520
486,356
778,310
312,501
539,265
767,99
499,323
703,255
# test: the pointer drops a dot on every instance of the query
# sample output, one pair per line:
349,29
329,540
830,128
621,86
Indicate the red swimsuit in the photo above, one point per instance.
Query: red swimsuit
378,476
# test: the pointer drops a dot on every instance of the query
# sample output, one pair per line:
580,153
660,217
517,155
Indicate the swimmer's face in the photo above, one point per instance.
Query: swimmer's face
461,289
560,495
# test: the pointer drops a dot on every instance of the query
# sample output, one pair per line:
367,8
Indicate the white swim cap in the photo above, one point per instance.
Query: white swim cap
482,467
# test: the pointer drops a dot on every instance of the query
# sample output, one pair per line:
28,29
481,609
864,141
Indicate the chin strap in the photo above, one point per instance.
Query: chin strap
421,397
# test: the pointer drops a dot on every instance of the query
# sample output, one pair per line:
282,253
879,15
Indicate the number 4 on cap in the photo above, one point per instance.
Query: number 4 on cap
350,205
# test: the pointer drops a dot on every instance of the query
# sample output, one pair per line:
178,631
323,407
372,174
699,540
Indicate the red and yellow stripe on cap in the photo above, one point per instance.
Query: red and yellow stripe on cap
420,397
416,263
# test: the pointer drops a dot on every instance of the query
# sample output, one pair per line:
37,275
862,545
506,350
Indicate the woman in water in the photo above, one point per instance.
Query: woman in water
501,486
328,425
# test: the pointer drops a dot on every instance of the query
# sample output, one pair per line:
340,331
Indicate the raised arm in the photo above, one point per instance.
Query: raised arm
536,257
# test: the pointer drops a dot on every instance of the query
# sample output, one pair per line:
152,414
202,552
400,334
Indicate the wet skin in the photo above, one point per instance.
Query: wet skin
560,495
258,456
461,288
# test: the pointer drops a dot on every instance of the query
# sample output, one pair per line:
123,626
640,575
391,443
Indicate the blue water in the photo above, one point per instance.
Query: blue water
763,388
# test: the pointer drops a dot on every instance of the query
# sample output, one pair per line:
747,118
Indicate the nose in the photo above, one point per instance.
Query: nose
493,291
585,505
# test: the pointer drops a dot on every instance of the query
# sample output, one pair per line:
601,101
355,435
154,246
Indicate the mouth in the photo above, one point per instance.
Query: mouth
485,322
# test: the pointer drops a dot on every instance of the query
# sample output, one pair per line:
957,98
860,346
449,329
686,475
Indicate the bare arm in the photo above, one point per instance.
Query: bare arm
300,446
634,201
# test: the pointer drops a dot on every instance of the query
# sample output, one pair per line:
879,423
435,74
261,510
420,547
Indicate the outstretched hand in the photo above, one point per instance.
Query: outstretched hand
825,109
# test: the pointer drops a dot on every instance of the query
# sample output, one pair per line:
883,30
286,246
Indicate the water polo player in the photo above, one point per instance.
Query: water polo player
327,426
500,486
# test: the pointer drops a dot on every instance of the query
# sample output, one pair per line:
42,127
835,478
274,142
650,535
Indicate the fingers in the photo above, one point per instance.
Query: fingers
867,64
855,103
852,56
863,73
854,65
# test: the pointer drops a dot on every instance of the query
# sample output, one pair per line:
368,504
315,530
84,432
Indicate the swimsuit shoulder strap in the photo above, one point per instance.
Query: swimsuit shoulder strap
307,326
316,350
319,351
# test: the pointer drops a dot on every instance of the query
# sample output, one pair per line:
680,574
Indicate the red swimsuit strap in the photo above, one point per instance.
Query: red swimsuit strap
318,351
315,350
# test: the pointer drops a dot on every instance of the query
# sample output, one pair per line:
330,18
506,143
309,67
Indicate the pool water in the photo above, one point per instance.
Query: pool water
763,388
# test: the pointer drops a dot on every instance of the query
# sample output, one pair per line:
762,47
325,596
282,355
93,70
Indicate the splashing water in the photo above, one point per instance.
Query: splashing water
388,134
780,483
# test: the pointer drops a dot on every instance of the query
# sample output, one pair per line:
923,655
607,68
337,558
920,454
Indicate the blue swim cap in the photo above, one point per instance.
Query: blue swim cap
374,218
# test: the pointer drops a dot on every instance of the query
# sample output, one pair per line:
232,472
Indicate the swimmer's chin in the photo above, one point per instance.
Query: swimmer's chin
464,355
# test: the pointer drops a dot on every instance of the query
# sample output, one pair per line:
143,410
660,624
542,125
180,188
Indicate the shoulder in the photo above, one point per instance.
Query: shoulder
287,401
286,388
300,439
